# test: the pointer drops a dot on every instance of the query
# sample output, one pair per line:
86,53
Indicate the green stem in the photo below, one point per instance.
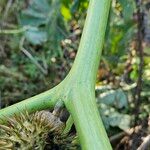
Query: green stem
81,98
90,129
42,101
77,91
69,124
88,56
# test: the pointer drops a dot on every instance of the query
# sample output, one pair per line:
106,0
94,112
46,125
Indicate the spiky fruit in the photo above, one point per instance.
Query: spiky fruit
67,142
32,132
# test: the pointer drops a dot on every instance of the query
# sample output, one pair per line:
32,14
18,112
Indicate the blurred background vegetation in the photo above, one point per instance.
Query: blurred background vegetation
39,41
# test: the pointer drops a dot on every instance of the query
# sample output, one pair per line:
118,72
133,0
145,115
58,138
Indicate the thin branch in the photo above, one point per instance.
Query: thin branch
45,100
14,31
140,53
116,137
9,3
31,57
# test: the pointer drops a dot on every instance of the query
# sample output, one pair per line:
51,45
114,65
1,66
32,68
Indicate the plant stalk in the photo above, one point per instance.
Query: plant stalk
39,102
89,52
77,90
80,100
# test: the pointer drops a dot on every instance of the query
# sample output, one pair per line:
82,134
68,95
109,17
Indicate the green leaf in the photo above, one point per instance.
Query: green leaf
36,14
65,12
120,120
114,98
128,8
28,19
111,117
79,5
40,5
36,36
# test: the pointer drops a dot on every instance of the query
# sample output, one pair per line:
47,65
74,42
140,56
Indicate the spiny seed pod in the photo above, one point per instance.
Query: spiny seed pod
34,132
67,142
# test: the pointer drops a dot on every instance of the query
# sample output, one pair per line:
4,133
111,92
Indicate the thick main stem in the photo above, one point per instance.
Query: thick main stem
82,106
80,100
77,90
89,52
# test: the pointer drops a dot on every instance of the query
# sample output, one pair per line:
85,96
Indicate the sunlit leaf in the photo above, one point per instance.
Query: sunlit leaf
65,12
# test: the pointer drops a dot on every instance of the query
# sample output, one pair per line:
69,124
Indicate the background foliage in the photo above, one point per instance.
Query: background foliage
39,41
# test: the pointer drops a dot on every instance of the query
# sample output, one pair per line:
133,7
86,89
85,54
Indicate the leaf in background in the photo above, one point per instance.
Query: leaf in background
27,19
79,5
113,98
128,7
75,6
120,120
44,14
111,117
120,31
40,5
36,36
36,14
65,12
